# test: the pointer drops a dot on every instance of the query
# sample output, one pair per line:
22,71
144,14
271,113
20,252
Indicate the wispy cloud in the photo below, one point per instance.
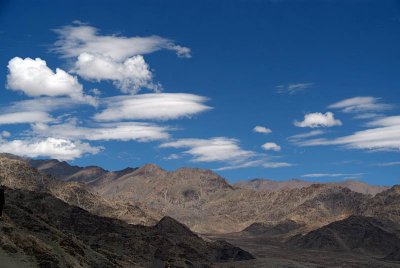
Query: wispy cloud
5,134
219,149
363,107
24,117
388,164
301,136
152,106
126,131
225,150
384,136
293,88
81,38
42,104
256,163
172,157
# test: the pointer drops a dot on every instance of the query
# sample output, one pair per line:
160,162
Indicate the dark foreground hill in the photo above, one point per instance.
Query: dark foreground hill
41,230
366,235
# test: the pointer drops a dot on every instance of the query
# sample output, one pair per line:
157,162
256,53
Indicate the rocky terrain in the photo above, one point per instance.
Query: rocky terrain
207,203
16,173
273,185
358,225
367,235
43,231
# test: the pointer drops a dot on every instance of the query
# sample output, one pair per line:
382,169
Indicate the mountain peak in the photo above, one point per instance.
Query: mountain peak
150,168
395,188
169,225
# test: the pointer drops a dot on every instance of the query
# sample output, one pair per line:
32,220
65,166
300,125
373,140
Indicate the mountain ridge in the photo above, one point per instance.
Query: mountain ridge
206,202
274,185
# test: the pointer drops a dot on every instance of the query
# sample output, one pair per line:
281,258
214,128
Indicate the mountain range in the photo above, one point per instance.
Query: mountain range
207,203
300,218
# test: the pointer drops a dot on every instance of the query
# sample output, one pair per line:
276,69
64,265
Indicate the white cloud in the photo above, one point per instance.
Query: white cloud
50,147
152,106
219,149
385,136
78,39
271,146
261,129
360,104
112,57
293,88
23,117
318,120
129,75
34,78
142,132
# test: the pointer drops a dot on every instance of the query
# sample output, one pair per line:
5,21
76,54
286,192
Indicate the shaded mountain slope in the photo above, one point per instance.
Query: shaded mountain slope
362,234
280,228
51,233
65,172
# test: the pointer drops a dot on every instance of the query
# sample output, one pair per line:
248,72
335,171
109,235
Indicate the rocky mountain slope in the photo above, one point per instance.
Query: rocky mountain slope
206,202
43,231
273,185
315,218
365,235
65,172
16,173
385,204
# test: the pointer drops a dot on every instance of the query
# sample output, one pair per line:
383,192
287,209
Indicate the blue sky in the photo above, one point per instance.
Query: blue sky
186,83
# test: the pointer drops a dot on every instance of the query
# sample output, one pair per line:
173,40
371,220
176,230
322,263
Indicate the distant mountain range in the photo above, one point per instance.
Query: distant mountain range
273,185
302,214
206,202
